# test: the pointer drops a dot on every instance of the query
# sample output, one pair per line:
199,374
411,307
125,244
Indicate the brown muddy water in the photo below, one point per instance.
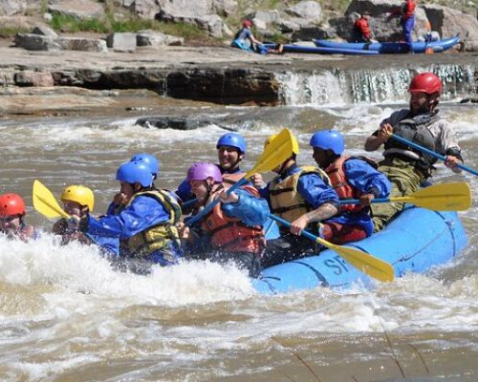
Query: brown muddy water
65,315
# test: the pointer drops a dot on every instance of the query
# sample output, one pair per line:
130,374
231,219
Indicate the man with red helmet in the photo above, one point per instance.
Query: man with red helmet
245,40
12,214
406,167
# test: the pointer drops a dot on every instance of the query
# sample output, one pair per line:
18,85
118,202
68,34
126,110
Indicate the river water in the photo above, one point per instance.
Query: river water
65,315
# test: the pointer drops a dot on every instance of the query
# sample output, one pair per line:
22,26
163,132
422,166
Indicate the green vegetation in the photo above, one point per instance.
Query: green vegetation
10,31
110,24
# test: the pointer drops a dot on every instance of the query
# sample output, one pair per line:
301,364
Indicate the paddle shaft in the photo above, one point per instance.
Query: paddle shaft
211,205
430,152
356,201
304,233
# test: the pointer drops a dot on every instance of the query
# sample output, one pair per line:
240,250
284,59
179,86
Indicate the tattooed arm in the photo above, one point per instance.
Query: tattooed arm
324,212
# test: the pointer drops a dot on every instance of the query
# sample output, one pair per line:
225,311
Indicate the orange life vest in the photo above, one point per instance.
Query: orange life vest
340,183
229,180
231,234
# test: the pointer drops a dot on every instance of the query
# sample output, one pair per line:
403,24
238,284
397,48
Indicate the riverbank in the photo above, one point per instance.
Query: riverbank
65,82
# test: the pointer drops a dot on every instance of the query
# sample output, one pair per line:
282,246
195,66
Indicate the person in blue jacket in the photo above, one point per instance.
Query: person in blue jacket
302,196
146,227
245,40
231,149
119,200
233,230
78,202
352,178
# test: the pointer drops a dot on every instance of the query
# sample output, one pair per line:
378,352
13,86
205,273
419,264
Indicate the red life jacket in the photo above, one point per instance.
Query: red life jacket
231,234
340,183
408,9
362,27
229,180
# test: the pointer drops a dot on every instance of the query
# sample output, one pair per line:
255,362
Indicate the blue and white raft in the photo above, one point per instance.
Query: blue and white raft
414,242
392,47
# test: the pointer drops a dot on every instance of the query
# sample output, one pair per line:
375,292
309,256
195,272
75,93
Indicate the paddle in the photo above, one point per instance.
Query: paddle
430,152
275,153
45,203
439,197
371,266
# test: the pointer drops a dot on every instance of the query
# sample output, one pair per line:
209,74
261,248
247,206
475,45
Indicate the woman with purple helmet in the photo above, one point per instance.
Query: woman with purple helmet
232,232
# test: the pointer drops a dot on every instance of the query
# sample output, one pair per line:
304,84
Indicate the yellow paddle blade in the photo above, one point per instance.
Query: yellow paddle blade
45,203
275,153
440,197
368,264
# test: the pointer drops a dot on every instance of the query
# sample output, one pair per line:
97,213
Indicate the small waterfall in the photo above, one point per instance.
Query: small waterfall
340,87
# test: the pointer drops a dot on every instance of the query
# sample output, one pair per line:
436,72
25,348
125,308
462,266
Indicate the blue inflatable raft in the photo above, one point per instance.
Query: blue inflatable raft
322,50
391,47
414,242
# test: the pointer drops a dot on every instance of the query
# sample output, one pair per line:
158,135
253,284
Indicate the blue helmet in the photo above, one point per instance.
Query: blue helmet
149,160
328,140
233,140
135,172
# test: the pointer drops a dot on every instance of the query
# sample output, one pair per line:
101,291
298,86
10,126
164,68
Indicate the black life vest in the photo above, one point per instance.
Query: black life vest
416,130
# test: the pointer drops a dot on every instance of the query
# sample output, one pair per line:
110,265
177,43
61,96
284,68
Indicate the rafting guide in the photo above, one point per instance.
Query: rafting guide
407,168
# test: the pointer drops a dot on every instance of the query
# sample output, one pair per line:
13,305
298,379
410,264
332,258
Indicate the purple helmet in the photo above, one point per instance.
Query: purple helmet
204,170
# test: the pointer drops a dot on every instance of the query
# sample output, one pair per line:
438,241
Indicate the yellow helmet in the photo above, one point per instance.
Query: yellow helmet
79,194
295,142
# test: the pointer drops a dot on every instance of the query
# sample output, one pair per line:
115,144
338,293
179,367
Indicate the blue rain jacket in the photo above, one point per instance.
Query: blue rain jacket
144,212
366,179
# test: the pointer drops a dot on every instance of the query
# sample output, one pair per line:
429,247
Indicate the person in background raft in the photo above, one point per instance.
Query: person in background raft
406,167
232,231
231,149
407,19
146,226
79,201
245,40
351,178
119,200
303,196
12,218
361,30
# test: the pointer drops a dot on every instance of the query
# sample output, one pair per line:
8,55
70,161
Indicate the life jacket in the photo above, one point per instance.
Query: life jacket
164,236
229,180
231,234
408,10
362,29
341,185
285,200
416,130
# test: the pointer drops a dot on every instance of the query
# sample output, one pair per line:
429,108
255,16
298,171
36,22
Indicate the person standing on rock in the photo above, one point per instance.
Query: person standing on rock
406,167
245,40
407,19
361,30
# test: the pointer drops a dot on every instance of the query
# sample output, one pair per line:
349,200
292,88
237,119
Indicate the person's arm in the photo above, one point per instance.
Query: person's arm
142,214
320,196
448,146
370,182
378,138
252,210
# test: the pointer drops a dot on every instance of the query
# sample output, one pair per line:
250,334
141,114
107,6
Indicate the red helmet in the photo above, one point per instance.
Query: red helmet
425,83
11,205
247,23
